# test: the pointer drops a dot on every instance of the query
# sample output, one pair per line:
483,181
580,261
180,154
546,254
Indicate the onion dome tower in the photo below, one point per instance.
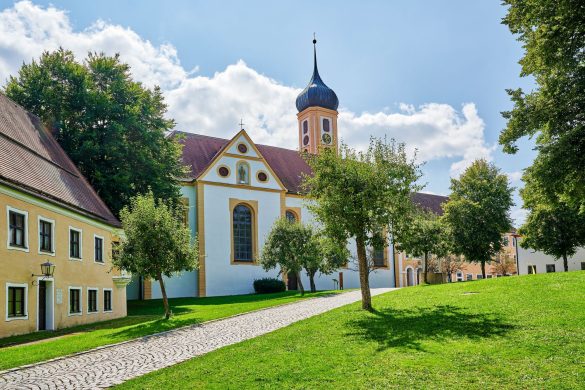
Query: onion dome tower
317,105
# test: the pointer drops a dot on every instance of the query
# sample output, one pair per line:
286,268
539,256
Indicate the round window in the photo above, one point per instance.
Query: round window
242,148
262,176
305,140
223,171
326,139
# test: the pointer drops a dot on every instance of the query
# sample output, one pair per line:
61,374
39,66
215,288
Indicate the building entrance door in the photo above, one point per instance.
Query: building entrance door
42,315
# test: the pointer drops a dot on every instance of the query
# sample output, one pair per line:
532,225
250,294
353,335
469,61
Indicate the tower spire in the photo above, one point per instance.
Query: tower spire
315,69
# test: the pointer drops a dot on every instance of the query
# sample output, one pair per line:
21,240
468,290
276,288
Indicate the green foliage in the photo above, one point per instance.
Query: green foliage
268,285
553,35
360,194
423,235
553,227
156,242
112,127
477,213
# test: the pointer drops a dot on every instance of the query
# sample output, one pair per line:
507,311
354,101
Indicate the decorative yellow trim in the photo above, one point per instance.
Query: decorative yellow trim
296,196
243,186
223,166
201,239
282,204
224,152
266,173
243,156
253,205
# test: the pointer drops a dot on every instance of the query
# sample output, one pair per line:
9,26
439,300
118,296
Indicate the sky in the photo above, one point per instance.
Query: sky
432,74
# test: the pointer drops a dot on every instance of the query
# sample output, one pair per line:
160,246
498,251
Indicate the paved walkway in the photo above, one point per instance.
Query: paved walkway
113,365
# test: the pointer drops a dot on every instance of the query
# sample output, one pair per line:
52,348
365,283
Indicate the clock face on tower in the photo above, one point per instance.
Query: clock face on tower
326,138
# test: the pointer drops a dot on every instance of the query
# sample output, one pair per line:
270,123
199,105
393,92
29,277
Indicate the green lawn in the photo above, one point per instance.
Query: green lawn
144,318
516,332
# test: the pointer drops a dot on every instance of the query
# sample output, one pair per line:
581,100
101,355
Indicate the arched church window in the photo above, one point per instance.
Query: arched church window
326,125
243,173
305,127
242,234
290,216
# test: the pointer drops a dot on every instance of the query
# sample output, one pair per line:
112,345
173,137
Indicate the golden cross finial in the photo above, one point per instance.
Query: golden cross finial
241,124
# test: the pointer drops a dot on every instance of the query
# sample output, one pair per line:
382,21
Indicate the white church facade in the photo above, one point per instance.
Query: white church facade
235,192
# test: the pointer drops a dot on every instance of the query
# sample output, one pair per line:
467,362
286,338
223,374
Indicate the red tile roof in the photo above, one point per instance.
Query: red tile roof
199,150
31,160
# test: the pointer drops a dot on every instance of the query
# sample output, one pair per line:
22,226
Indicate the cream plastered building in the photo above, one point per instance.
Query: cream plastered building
237,189
50,214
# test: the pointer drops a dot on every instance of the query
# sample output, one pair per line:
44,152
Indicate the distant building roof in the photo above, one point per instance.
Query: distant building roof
199,150
31,159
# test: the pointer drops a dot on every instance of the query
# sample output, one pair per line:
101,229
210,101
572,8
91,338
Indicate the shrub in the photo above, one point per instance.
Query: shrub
268,285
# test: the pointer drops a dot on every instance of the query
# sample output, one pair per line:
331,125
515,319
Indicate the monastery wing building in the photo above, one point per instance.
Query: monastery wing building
237,189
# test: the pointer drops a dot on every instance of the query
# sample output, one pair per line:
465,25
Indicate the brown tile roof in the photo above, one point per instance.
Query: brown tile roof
199,150
31,159
430,202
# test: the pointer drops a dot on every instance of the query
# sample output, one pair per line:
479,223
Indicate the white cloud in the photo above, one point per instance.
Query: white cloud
214,105
515,177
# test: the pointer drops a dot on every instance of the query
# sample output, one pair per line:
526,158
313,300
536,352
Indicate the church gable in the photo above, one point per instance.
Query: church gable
240,163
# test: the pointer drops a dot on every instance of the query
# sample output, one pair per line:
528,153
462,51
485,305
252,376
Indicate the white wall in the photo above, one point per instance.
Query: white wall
181,285
540,260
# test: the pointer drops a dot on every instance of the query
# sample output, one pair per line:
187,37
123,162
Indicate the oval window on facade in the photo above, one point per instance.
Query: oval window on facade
223,171
242,148
305,127
262,176
305,140
326,126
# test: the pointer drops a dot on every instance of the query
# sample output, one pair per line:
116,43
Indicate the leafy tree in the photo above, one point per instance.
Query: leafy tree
477,213
156,242
552,226
292,246
359,194
334,255
505,264
112,127
422,236
553,36
450,264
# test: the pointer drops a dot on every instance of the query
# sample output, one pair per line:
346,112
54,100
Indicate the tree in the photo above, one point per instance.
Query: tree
553,36
422,236
333,255
450,264
292,246
505,264
112,127
477,213
359,194
156,242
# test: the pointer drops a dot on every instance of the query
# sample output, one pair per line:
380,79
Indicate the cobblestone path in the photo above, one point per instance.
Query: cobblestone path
112,365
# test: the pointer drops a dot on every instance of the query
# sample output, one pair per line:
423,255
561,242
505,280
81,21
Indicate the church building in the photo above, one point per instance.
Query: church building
235,192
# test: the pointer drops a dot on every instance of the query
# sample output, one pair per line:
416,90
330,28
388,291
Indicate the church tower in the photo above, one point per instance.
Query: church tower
317,105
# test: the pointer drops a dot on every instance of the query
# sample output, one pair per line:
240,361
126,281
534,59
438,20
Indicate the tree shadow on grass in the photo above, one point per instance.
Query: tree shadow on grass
409,328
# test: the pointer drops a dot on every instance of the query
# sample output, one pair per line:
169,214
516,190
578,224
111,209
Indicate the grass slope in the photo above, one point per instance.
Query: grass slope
516,332
144,318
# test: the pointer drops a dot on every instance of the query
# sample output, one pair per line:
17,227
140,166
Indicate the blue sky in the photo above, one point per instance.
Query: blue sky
376,55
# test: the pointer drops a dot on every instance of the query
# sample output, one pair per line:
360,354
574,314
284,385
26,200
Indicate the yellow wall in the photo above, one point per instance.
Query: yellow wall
16,266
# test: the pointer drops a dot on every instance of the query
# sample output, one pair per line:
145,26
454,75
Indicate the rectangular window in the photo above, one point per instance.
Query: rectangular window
379,260
17,229
45,236
16,302
469,276
74,301
98,247
92,301
531,269
489,276
479,276
74,243
107,300
550,268
583,266
460,276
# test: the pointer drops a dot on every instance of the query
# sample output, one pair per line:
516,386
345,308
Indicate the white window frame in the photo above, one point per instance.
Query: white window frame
69,314
52,222
459,276
97,300
111,290
103,262
80,258
26,229
25,317
467,277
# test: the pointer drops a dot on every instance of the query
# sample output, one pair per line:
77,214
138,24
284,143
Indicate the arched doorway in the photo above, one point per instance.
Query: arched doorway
418,275
409,277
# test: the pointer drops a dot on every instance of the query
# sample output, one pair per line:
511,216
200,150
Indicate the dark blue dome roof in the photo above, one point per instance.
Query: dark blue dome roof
317,94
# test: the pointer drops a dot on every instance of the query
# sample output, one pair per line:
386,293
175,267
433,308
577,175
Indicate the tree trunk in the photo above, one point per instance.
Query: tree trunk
566,262
312,280
364,275
426,268
300,284
163,291
483,269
